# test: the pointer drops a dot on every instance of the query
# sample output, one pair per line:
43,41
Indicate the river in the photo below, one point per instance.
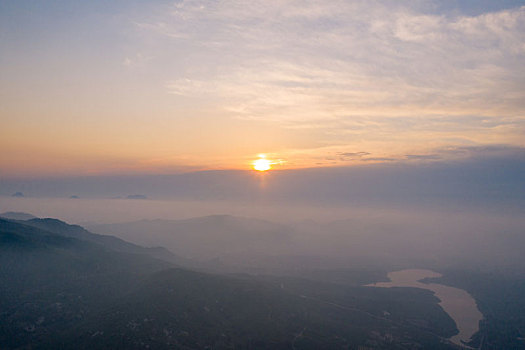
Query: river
456,302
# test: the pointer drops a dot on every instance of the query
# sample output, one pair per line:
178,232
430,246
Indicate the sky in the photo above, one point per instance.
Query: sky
162,87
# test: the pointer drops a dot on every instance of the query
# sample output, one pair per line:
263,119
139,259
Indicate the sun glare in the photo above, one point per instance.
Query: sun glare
262,164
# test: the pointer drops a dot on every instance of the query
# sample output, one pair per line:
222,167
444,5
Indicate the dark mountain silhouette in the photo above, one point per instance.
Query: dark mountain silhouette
111,242
50,281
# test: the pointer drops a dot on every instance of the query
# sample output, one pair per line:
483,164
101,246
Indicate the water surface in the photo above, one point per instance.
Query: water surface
456,302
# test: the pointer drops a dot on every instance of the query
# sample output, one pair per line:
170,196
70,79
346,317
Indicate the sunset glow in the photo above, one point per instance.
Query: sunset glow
383,82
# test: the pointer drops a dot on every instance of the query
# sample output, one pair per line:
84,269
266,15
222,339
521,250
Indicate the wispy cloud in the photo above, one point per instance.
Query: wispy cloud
352,67
291,61
423,157
211,84
137,60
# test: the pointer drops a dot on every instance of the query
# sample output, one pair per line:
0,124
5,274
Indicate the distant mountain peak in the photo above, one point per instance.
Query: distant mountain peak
17,215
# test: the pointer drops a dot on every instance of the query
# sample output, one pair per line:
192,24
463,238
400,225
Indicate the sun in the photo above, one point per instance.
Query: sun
262,164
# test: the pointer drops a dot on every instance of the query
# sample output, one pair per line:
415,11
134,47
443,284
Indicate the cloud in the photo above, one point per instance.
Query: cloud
353,154
423,157
137,60
353,71
379,159
501,151
487,176
350,58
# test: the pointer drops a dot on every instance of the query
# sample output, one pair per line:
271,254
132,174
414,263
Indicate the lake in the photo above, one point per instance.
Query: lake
456,302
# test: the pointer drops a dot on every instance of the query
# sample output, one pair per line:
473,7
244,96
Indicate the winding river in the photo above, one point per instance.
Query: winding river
456,302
